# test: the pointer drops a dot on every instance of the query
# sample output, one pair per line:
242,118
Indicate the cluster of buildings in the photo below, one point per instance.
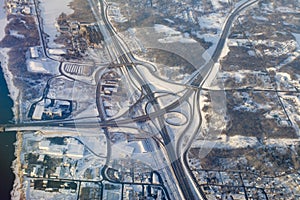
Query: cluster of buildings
109,86
228,185
49,109
19,6
72,149
246,185
143,192
127,192
55,166
137,173
53,159
55,186
113,191
90,190
83,35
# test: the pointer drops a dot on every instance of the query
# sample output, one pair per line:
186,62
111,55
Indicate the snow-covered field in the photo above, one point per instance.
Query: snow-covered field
172,35
43,66
211,21
225,142
16,34
50,12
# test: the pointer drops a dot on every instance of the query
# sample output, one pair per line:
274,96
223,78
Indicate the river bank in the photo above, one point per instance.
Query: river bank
9,110
14,92
7,142
16,192
12,188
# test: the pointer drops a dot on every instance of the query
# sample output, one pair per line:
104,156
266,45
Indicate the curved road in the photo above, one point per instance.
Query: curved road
197,81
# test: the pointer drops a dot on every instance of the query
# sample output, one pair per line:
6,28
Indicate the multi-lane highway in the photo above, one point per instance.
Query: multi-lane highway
197,81
200,78
125,57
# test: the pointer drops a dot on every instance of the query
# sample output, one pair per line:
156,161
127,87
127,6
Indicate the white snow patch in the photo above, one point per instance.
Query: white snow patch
57,51
284,9
169,20
50,12
208,37
172,35
211,21
224,142
282,142
16,34
217,4
43,66
260,18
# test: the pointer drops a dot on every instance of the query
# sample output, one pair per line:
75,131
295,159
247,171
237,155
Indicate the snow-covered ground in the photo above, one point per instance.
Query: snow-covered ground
172,35
226,142
249,104
285,82
115,13
236,142
16,34
242,76
13,90
281,142
158,84
217,4
260,18
280,48
284,9
43,66
291,104
214,22
211,21
50,12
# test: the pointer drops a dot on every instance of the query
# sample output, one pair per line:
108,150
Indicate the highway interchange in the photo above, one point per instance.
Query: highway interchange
174,151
